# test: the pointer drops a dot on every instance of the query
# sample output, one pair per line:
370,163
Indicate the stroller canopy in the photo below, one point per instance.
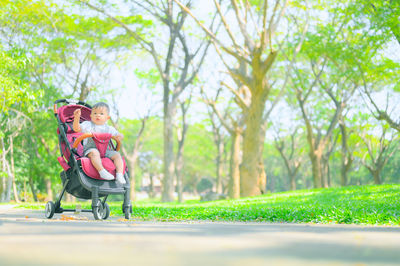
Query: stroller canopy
66,113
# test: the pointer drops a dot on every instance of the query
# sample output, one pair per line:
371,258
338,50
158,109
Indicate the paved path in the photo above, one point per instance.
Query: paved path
27,238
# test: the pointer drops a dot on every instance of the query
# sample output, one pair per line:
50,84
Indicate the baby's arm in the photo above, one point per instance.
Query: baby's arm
115,133
77,115
120,137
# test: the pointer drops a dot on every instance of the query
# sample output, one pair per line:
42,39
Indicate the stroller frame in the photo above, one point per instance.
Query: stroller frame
77,183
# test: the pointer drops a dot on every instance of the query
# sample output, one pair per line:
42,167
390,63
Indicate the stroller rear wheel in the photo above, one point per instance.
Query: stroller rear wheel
50,209
106,212
127,213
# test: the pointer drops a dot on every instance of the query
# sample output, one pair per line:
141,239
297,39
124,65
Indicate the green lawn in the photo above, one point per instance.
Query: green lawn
349,205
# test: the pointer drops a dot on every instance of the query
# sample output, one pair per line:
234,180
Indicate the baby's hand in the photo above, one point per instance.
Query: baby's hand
119,137
77,113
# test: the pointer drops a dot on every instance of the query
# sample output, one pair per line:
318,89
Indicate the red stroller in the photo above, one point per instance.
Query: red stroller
79,177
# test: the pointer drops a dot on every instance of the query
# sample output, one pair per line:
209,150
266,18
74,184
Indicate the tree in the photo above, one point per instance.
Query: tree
332,79
346,151
379,151
384,26
383,15
15,95
289,147
219,137
149,153
199,155
132,154
233,123
249,57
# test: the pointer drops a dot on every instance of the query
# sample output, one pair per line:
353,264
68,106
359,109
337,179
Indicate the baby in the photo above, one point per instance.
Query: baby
99,117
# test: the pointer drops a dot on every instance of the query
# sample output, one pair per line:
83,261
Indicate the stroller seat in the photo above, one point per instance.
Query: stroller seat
79,177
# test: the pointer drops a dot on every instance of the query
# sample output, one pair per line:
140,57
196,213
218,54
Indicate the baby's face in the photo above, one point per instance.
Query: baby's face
99,116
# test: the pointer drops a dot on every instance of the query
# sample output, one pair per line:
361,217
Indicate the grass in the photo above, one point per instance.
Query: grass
372,205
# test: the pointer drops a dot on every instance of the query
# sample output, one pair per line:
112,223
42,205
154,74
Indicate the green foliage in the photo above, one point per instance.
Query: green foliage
372,205
14,90
199,156
148,78
203,185
348,205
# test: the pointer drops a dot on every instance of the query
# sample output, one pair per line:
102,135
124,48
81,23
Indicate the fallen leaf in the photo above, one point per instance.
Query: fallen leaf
67,218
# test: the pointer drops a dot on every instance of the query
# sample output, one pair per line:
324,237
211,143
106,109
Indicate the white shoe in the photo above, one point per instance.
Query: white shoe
120,178
106,175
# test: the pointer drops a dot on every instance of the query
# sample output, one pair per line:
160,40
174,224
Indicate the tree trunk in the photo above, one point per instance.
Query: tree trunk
326,174
316,168
343,173
329,176
9,183
131,168
16,197
252,150
234,181
48,189
133,185
291,165
25,192
272,184
219,169
132,157
179,168
377,176
151,186
3,187
169,167
181,145
15,190
292,180
32,188
346,158
262,177
325,171
3,172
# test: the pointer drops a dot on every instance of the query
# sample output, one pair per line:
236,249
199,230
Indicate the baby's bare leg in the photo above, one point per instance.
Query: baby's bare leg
96,160
119,164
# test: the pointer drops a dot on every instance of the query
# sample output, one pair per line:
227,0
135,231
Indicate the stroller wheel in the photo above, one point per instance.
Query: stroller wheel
50,209
127,213
98,211
106,211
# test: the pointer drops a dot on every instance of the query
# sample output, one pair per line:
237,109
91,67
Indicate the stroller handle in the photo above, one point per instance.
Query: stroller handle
90,135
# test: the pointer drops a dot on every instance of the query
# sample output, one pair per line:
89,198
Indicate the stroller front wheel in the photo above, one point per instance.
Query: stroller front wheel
50,209
98,211
101,211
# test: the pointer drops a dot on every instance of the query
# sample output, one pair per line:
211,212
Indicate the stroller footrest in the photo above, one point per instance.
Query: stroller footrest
63,163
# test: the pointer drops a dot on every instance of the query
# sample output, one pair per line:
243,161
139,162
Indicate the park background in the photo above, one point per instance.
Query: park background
241,98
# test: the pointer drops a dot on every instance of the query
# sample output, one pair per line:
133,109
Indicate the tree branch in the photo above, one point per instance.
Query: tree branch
239,56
